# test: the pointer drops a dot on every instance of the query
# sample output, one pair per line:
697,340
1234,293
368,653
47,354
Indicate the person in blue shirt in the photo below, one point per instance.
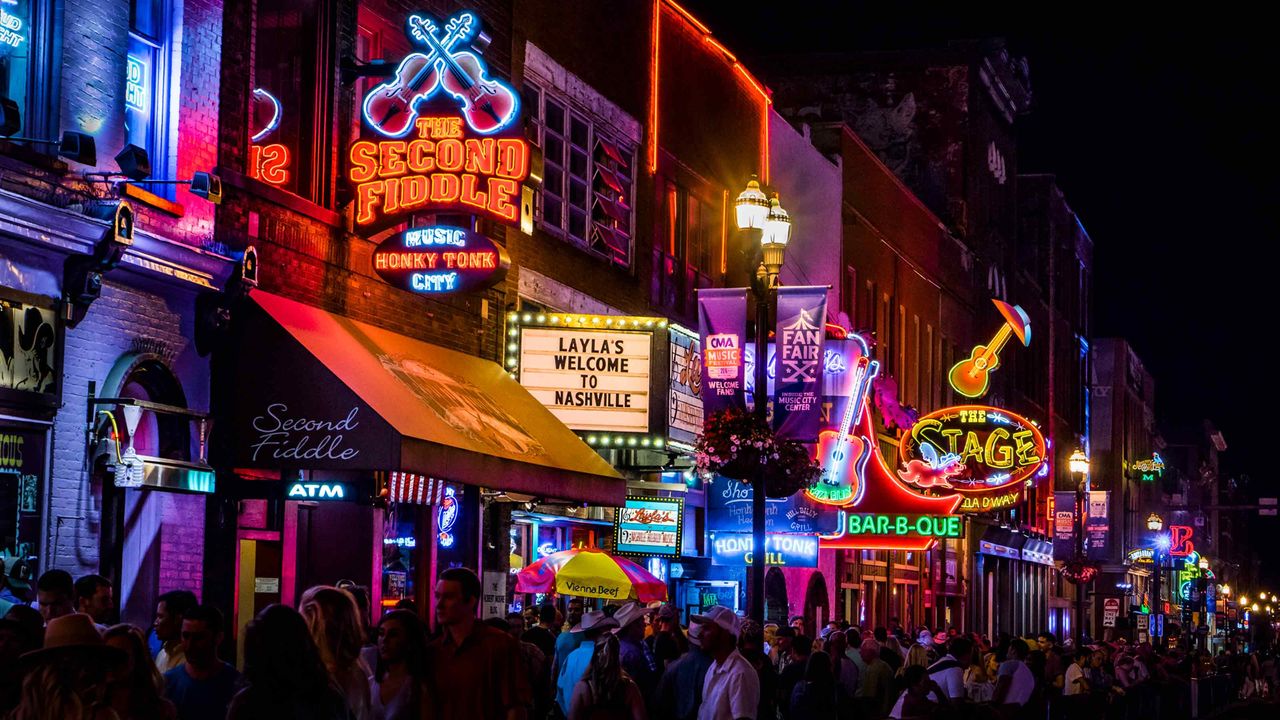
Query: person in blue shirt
203,685
593,625
680,690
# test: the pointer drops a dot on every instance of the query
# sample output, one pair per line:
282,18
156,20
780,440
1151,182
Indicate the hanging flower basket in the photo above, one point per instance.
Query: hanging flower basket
1079,571
741,446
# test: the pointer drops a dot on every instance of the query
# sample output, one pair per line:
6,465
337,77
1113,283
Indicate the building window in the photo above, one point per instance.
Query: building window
147,86
16,54
683,254
290,132
588,184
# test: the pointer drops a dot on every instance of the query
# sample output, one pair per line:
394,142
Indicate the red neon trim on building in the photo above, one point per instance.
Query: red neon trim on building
724,232
689,17
655,33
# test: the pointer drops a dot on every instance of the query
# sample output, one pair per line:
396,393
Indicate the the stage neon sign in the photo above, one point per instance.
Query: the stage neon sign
440,259
441,134
981,453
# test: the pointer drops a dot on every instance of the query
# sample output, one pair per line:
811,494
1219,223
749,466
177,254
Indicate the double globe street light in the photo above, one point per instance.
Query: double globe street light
756,212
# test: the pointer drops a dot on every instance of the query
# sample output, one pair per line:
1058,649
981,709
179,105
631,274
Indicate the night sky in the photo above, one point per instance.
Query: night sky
1163,140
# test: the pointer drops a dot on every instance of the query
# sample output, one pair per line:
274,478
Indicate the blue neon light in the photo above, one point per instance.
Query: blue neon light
135,87
275,115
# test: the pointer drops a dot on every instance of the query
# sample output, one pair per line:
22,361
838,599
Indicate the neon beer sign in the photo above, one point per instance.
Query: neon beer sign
441,135
268,162
440,259
981,453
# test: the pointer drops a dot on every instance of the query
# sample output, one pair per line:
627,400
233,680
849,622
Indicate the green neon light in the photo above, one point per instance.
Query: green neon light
938,526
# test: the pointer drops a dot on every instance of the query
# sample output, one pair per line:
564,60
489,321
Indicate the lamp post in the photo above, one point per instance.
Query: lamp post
1155,524
755,211
1078,464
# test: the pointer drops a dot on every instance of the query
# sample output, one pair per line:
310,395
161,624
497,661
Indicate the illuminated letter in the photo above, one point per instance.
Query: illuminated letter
972,448
513,158
1025,447
449,155
391,196
363,163
480,152
444,188
501,193
999,456
331,491
952,435
420,156
273,164
413,191
469,196
367,196
391,153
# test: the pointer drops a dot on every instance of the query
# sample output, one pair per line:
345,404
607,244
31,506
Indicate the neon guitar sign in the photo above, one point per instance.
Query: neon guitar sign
971,377
844,456
488,105
441,134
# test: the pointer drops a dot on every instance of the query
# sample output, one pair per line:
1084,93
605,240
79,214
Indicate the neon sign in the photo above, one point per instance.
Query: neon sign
443,133
842,454
447,518
971,377
440,259
1180,544
649,526
316,491
982,453
1141,556
779,549
135,85
268,163
11,36
927,526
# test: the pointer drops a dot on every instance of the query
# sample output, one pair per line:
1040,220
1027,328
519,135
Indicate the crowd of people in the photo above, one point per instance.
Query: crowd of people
329,660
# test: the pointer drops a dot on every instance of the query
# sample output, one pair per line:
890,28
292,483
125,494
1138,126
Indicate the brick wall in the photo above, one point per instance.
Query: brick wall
110,330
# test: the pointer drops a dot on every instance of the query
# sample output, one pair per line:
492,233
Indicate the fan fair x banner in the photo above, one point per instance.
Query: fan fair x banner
797,404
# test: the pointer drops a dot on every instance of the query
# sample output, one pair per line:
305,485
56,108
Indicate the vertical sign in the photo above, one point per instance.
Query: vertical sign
802,313
684,399
1097,524
1110,611
1064,525
722,325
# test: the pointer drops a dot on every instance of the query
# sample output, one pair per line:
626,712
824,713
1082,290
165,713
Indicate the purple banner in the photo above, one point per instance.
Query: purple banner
1097,525
722,326
797,404
1064,525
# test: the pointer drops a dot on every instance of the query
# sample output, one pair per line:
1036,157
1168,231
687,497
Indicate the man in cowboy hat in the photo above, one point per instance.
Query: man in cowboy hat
633,653
593,625
73,644
731,689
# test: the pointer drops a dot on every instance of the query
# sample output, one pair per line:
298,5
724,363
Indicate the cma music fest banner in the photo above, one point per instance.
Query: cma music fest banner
722,330
440,135
601,375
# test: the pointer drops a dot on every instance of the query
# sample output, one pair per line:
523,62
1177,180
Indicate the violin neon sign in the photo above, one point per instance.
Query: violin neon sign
441,134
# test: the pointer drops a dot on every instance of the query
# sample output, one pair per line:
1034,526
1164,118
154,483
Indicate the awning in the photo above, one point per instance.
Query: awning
1001,542
317,391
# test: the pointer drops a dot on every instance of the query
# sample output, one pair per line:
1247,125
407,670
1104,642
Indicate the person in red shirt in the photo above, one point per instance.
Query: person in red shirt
477,669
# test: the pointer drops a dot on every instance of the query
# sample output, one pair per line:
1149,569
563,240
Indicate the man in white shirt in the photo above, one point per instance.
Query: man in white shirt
948,671
1014,680
731,690
1074,681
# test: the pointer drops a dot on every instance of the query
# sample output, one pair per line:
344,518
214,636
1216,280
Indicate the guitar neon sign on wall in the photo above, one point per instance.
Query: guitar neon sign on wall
970,377
441,134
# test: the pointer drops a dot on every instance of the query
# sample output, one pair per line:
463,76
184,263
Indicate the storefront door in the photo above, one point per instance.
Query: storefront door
334,543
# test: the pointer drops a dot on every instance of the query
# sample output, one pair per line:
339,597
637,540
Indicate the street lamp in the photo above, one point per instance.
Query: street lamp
755,211
1078,463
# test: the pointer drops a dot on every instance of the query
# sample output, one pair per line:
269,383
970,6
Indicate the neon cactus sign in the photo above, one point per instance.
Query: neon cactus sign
981,453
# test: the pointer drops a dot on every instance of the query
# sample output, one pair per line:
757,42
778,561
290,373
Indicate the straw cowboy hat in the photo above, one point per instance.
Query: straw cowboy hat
73,634
630,613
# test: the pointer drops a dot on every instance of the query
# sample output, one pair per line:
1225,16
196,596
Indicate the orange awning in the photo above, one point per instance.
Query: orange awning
315,390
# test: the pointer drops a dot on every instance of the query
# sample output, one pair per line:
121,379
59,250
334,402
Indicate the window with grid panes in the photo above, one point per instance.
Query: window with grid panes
587,187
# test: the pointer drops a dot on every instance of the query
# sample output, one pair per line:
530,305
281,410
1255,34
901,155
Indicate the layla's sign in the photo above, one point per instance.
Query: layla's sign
591,379
439,260
649,526
982,453
779,549
442,133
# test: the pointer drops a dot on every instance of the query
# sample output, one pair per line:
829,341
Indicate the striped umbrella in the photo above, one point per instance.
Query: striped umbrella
589,572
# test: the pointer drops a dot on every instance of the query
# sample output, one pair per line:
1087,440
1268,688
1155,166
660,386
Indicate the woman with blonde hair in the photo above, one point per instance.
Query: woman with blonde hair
334,623
917,655
137,689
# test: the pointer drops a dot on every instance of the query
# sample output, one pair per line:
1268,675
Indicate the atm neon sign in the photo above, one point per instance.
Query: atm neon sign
316,491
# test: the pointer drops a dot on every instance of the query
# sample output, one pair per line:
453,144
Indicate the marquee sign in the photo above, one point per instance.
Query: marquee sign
593,372
649,526
441,134
981,453
439,260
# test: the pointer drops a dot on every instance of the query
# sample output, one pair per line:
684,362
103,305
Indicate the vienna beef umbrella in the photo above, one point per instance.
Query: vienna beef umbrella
588,572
